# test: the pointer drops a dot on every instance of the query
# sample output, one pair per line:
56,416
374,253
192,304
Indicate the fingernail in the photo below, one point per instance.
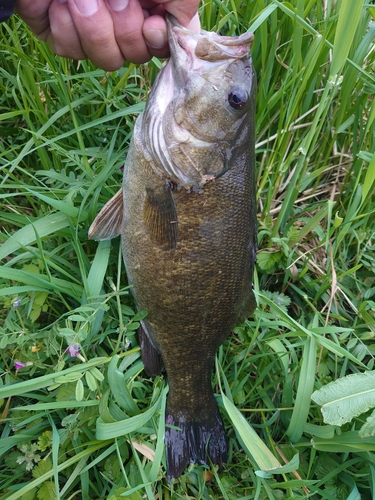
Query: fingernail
155,38
118,5
87,7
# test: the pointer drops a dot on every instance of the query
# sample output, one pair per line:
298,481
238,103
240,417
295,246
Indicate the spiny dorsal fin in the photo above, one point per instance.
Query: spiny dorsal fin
107,224
160,217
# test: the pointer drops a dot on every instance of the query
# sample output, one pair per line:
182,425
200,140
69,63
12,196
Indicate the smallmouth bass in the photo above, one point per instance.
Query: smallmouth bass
187,218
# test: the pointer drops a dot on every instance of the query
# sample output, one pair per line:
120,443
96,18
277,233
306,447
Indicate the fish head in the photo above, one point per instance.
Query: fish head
202,105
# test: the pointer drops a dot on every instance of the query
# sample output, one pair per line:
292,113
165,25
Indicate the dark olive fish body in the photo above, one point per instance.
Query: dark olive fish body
188,226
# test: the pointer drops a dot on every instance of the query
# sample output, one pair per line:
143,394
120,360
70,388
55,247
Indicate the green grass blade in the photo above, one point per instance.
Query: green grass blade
106,431
45,226
254,446
349,15
305,388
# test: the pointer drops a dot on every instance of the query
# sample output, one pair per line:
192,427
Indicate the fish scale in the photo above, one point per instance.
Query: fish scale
189,239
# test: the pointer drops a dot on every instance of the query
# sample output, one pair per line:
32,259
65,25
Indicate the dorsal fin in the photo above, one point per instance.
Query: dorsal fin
107,224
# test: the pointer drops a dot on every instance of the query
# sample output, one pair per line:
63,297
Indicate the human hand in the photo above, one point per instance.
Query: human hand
107,32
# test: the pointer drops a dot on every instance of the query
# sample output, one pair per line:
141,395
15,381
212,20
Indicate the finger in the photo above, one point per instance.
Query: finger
35,14
155,34
128,18
183,11
95,27
63,37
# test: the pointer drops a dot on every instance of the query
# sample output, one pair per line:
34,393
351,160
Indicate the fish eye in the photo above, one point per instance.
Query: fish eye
238,97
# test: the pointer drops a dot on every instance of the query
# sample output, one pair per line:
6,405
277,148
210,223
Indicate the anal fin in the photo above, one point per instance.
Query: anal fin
107,224
150,356
160,217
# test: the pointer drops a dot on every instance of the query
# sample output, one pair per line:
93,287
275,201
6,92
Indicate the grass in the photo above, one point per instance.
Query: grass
92,426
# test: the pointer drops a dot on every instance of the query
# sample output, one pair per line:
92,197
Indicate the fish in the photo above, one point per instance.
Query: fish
186,214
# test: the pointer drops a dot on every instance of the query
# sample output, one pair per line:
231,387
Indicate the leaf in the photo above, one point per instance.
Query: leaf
50,224
305,387
47,380
349,15
45,441
262,17
250,440
106,431
29,495
369,179
368,428
66,392
62,206
42,467
283,301
346,398
91,381
144,449
98,269
267,260
347,442
47,491
291,466
80,390
119,388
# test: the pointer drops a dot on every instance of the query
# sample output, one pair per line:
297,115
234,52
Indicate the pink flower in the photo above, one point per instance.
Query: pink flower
18,365
73,350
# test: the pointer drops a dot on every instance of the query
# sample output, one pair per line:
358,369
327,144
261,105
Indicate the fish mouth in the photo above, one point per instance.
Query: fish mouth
207,46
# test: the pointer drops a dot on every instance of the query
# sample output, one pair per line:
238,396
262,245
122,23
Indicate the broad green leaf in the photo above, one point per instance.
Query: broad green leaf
42,281
62,206
42,467
98,268
291,466
347,442
305,387
262,17
50,224
320,431
346,397
368,428
119,388
369,181
160,437
91,381
15,290
80,390
58,405
47,491
116,429
349,14
252,443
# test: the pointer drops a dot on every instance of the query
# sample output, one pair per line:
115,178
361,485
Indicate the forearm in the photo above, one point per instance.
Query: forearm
6,9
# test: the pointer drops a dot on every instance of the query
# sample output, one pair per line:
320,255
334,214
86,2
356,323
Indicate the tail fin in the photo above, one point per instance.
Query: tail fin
194,442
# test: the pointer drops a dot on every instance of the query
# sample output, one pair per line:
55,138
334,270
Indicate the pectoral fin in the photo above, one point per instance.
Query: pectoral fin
107,224
160,217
